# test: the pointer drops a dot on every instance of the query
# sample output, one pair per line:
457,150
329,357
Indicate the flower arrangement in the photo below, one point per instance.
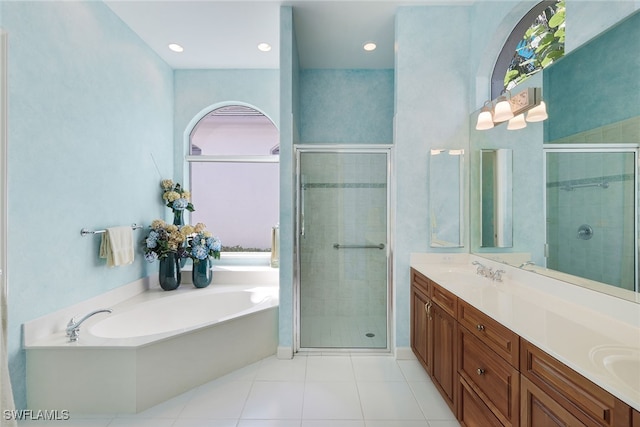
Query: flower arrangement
202,243
175,196
163,239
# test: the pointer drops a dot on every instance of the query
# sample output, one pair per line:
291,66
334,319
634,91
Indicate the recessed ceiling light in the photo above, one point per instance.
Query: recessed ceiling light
369,46
175,47
264,47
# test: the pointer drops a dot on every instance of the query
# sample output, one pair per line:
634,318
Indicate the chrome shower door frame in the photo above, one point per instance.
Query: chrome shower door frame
299,149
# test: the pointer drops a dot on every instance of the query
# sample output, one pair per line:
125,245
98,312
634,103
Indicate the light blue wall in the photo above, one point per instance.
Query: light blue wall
432,110
346,106
197,92
289,135
89,104
597,83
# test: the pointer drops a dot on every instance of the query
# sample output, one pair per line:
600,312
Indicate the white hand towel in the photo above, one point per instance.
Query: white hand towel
117,246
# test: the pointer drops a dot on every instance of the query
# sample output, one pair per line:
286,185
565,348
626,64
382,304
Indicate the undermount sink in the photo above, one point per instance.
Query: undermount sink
621,362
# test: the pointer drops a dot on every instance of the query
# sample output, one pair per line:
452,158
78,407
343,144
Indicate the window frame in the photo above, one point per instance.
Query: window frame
509,47
235,258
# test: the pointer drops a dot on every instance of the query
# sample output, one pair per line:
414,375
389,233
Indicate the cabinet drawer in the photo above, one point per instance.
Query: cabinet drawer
592,405
492,378
421,282
445,299
472,412
500,339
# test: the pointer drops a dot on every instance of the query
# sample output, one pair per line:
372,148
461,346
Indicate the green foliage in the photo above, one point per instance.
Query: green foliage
541,45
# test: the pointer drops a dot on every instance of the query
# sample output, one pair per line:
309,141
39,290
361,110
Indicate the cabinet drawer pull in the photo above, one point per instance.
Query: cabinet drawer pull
480,371
480,327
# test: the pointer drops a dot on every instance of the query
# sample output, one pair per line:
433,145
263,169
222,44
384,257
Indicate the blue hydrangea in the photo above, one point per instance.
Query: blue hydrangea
200,252
151,256
197,240
180,204
151,242
214,244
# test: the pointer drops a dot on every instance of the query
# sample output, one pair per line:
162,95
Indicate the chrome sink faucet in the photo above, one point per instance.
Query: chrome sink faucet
524,264
482,270
73,327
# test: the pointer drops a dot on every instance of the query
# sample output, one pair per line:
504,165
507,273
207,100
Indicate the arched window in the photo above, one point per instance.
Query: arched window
234,177
535,42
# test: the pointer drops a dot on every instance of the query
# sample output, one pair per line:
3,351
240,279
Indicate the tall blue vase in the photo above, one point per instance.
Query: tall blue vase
169,274
202,273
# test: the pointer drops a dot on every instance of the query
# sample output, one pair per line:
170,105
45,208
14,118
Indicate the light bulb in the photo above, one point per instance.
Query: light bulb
502,111
517,123
485,120
537,113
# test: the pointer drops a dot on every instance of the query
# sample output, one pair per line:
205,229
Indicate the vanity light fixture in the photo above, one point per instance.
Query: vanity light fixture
538,113
502,111
517,122
513,109
369,46
485,119
264,47
176,47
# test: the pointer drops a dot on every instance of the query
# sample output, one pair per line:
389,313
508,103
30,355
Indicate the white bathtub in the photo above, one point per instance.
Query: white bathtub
153,346
158,314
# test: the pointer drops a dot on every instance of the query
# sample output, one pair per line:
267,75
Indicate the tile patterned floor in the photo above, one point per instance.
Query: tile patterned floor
307,391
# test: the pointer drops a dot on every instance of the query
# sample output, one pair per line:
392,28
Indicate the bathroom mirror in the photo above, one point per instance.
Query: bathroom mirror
496,213
446,169
575,89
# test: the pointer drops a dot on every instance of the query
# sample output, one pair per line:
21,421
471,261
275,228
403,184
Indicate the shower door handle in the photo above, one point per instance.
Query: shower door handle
339,246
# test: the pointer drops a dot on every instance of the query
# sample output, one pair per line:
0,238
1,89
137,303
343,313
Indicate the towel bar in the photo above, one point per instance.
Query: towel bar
86,231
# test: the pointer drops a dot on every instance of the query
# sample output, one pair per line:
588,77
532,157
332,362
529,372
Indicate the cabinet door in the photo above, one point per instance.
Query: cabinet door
537,409
420,328
591,404
444,354
472,411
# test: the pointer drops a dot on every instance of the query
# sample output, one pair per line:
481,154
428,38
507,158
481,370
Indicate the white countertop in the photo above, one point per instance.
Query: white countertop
596,335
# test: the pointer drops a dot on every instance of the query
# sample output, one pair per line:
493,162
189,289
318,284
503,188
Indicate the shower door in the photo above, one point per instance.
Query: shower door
591,213
342,247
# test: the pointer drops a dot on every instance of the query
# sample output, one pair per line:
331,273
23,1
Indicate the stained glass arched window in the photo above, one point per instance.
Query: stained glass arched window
535,42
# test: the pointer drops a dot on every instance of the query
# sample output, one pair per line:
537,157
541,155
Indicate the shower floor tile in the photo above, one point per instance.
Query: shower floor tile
343,332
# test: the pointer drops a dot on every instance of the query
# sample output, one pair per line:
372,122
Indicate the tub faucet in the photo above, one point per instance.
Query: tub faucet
73,327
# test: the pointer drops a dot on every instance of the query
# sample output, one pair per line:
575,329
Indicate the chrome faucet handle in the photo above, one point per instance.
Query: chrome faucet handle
497,275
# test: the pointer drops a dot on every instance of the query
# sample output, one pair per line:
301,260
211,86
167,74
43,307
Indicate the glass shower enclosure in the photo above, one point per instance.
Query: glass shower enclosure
591,210
342,287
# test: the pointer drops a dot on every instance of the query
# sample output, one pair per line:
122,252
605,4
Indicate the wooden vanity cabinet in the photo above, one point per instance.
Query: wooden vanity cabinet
420,320
433,333
491,377
554,394
488,369
445,352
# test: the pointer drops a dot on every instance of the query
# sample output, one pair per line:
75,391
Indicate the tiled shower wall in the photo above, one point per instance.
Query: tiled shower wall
575,196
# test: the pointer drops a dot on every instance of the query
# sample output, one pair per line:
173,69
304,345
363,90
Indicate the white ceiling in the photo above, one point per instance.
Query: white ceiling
225,34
